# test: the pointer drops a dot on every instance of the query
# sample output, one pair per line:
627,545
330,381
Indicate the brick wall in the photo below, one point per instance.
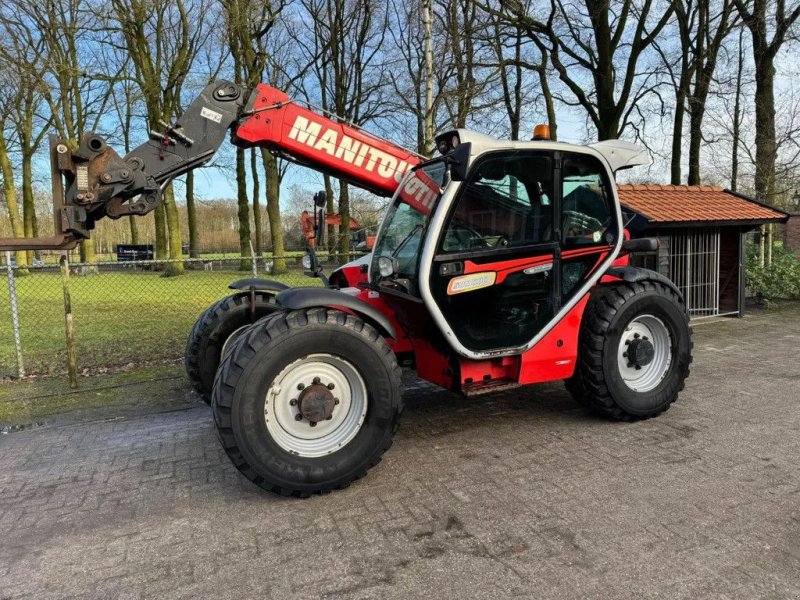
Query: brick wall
792,233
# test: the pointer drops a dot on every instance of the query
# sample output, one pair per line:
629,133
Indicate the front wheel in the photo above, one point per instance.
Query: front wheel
307,401
635,351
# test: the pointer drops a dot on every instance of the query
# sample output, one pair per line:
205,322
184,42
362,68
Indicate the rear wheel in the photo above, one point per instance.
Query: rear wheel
213,335
635,351
307,401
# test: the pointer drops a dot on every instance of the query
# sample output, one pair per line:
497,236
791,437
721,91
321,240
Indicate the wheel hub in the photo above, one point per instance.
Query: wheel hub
316,403
644,356
641,352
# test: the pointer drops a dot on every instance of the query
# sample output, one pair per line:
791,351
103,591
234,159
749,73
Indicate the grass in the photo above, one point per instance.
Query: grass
119,317
50,401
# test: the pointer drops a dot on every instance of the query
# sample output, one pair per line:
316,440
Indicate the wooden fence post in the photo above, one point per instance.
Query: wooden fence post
72,365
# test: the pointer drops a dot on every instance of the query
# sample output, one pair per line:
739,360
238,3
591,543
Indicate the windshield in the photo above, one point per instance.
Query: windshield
403,229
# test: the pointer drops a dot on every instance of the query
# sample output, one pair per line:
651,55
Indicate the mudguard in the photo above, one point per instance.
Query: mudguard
262,285
634,274
299,298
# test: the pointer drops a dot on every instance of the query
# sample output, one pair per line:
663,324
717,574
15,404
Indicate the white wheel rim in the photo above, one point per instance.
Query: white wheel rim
228,344
643,378
282,408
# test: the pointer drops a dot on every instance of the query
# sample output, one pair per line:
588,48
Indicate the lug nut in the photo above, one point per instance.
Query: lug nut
644,337
328,418
293,402
336,401
627,342
625,355
316,380
638,367
301,386
331,386
298,417
636,336
313,423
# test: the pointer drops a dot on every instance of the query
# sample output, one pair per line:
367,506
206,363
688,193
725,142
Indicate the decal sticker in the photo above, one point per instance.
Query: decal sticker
211,115
538,269
468,283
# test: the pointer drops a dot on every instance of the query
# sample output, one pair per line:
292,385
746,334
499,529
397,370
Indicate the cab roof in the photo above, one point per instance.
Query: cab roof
617,153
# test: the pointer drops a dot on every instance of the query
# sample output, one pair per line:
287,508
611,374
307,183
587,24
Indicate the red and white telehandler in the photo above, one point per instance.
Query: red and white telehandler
498,264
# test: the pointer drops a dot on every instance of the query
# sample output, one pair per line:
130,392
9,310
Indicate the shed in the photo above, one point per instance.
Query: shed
700,230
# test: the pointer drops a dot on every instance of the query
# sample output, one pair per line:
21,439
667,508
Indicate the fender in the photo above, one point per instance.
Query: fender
634,274
262,285
309,297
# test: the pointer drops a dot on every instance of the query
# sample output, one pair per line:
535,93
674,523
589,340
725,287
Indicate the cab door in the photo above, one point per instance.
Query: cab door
525,233
495,275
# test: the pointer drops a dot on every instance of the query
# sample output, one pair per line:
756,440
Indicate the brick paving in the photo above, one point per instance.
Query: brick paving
516,495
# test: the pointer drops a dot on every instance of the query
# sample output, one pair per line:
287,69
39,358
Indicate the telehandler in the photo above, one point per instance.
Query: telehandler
498,264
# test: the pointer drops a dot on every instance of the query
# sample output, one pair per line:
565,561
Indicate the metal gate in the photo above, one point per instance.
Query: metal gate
694,267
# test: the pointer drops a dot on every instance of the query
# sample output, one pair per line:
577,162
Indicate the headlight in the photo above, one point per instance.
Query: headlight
307,262
386,266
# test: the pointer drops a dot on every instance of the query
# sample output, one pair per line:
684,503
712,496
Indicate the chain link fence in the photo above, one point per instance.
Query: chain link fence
124,314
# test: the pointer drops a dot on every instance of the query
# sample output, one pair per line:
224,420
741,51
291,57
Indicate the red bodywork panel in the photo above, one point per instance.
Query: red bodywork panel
377,165
335,148
554,357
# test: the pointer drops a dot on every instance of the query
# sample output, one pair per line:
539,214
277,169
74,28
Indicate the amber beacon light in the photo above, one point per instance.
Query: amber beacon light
541,132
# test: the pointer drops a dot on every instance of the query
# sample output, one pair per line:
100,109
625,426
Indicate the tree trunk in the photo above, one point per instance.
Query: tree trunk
677,124
695,137
766,147
86,252
552,121
134,229
161,232
329,209
244,212
344,229
428,24
737,120
28,209
274,212
256,202
175,242
191,216
10,195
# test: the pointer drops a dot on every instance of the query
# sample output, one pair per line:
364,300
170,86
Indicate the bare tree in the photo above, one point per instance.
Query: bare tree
764,18
76,97
702,28
597,52
6,170
23,55
150,31
348,69
249,23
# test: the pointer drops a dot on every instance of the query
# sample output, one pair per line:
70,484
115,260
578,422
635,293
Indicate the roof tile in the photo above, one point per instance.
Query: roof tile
682,203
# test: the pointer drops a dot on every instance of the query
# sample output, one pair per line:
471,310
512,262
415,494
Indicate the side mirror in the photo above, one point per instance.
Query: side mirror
311,265
640,245
459,162
320,198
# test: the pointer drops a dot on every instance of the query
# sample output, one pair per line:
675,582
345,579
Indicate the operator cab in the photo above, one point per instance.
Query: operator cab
499,239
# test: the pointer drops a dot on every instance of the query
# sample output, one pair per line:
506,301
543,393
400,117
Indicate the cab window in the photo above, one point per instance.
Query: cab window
505,203
586,204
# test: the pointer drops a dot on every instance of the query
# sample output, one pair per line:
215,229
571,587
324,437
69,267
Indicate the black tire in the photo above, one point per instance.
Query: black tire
598,383
210,332
259,357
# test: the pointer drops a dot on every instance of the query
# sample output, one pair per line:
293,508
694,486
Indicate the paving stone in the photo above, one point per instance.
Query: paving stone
515,495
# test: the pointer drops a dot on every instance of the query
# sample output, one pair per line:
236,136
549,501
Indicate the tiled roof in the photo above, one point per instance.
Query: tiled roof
683,203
